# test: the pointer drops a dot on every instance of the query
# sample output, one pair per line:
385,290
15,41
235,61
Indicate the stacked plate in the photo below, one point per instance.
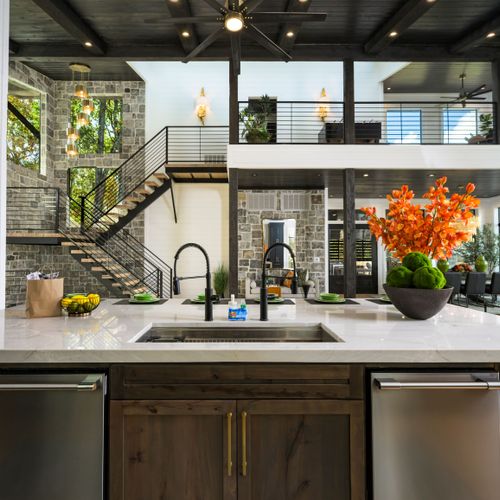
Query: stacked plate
330,298
144,298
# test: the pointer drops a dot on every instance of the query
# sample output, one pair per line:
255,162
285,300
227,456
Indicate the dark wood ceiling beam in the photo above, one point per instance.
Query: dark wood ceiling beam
477,36
181,8
64,15
13,46
408,14
302,52
285,40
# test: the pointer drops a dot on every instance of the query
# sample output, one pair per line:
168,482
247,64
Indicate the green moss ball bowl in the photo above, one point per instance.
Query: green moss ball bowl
418,303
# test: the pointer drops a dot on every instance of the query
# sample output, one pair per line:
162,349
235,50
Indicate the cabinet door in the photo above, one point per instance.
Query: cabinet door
301,450
173,450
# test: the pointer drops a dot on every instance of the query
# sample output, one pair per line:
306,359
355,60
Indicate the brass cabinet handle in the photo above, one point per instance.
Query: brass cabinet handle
229,417
244,463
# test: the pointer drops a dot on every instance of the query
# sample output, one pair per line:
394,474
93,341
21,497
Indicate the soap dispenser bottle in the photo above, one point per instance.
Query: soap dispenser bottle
232,314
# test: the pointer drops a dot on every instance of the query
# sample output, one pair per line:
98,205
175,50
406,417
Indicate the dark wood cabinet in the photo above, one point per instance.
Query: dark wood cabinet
293,441
301,450
173,450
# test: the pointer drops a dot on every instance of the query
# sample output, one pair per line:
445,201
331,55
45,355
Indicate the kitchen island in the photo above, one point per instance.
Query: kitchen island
258,420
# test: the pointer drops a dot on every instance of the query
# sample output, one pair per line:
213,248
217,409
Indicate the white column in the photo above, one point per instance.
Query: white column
4,76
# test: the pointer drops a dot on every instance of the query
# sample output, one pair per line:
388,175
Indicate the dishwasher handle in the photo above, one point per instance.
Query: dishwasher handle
88,384
479,384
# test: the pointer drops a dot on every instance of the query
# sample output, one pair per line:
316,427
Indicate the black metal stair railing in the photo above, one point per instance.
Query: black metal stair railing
125,179
122,255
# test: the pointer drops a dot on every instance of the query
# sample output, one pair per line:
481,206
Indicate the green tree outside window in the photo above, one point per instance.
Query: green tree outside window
103,134
23,148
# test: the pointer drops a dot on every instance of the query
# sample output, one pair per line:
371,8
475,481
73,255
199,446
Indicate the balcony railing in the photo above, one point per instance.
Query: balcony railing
197,144
420,122
384,122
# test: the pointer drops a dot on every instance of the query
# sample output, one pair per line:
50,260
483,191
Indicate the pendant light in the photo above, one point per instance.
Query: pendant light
80,91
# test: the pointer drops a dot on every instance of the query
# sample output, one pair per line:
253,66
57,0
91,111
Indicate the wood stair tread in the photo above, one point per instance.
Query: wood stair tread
161,175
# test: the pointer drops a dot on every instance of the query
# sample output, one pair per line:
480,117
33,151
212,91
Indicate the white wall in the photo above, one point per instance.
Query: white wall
203,218
4,71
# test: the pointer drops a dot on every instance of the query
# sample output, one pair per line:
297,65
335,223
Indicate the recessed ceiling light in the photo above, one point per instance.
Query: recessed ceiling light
88,44
185,34
491,34
366,175
388,88
234,21
431,175
392,34
303,1
290,34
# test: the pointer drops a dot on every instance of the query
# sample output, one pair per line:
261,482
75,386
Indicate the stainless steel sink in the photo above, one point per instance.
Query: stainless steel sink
314,333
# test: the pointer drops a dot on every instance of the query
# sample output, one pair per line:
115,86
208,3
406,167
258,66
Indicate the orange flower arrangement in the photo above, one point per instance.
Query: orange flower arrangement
434,229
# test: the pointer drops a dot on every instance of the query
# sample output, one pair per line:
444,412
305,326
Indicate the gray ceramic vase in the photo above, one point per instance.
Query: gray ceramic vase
418,303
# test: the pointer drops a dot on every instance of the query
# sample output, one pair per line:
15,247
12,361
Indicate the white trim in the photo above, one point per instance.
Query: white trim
4,78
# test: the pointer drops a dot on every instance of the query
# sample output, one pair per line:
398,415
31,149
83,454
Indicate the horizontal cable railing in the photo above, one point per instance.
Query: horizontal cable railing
121,255
419,122
197,144
124,180
32,209
288,122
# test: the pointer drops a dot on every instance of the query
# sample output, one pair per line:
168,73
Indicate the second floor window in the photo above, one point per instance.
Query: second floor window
404,126
459,125
104,132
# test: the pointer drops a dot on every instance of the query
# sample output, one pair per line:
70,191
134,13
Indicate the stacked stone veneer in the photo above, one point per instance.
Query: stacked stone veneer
56,100
310,237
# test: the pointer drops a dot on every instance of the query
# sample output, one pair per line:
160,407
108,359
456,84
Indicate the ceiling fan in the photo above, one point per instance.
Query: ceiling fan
471,95
237,17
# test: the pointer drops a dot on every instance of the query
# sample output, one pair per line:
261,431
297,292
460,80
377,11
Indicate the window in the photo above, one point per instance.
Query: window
82,180
104,132
404,126
23,127
459,125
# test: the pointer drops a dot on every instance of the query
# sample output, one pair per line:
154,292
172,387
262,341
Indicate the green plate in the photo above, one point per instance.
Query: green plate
385,298
340,300
329,296
197,301
277,300
150,301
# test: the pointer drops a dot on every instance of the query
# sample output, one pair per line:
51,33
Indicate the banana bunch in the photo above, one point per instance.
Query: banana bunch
77,303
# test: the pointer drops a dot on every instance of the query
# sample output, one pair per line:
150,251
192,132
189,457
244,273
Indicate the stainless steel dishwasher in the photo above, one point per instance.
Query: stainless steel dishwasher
52,436
436,436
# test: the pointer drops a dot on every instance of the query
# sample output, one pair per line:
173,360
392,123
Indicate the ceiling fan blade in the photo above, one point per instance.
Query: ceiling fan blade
249,5
287,17
480,92
236,52
217,6
255,33
474,91
476,98
184,20
205,44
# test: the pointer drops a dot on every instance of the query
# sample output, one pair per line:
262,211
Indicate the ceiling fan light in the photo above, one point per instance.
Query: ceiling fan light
290,34
234,21
491,34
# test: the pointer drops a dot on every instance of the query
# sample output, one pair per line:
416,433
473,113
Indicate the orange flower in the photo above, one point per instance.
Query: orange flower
431,229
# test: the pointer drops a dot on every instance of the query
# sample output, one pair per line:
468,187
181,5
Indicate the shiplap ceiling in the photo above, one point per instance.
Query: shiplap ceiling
48,34
439,77
377,184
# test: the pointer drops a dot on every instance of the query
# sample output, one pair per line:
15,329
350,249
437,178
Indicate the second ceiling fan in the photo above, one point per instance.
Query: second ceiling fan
239,18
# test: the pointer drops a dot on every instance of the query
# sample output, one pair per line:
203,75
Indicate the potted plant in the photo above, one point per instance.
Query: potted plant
485,130
417,234
484,245
221,280
254,120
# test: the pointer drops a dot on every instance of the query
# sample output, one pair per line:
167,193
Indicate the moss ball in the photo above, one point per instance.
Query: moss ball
400,277
428,277
416,260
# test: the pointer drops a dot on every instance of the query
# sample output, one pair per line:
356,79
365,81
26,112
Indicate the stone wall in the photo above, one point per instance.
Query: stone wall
310,237
56,100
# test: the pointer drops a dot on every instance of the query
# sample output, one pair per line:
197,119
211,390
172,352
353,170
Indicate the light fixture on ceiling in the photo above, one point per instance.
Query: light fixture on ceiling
87,106
290,34
186,34
431,175
72,133
88,44
366,175
388,88
202,106
491,34
82,119
234,21
71,149
393,34
323,107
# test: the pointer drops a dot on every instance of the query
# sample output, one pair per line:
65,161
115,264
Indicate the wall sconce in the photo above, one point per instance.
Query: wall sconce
323,108
202,106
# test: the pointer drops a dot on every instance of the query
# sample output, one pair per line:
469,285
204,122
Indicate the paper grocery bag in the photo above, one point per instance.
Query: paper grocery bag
43,297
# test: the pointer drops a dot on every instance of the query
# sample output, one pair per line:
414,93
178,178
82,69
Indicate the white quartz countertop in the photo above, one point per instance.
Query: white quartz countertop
370,333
